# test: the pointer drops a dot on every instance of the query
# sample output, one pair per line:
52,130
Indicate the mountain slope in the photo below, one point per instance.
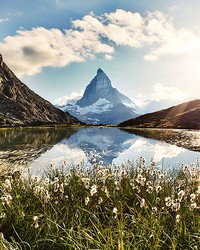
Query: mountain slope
20,106
185,115
103,104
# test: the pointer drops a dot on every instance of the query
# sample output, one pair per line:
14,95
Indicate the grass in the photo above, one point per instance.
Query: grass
102,207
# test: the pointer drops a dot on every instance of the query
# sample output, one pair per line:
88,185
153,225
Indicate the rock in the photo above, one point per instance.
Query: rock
20,106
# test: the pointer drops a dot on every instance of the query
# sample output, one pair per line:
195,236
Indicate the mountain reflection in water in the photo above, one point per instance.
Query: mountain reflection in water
38,148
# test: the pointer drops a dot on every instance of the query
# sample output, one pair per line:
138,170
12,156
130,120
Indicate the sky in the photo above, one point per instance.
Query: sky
149,49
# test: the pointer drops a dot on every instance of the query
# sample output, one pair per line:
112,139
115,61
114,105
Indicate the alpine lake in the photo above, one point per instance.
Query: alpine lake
37,148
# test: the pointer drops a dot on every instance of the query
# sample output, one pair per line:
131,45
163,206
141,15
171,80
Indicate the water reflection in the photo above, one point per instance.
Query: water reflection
163,153
38,148
19,147
189,139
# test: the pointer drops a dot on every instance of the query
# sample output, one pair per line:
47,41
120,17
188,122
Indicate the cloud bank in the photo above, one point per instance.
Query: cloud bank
72,99
164,96
96,35
2,20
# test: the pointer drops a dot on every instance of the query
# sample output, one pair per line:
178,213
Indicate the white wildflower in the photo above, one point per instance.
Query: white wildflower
141,180
87,199
168,201
62,188
192,197
161,176
37,190
158,188
56,186
36,225
193,205
129,162
149,189
46,196
185,168
132,183
35,218
117,185
165,173
193,174
139,170
100,200
115,211
181,194
22,214
2,215
36,179
178,218
46,182
154,209
7,185
175,206
149,183
93,190
86,182
142,203
157,199
106,191
6,199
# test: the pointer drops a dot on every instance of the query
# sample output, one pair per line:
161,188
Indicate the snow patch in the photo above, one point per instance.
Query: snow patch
102,105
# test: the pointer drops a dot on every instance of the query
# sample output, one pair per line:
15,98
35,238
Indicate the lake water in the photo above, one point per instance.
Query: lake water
38,148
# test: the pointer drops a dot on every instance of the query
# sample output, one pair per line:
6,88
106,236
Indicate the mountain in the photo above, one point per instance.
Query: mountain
185,115
102,104
20,106
155,105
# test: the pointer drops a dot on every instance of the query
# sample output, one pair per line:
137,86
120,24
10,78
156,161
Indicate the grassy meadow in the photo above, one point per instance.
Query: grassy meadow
132,206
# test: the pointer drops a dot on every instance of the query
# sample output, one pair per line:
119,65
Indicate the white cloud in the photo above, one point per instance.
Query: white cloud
15,13
40,47
125,28
170,95
141,100
108,57
167,93
167,151
141,146
36,49
93,35
2,20
61,101
57,155
167,40
173,7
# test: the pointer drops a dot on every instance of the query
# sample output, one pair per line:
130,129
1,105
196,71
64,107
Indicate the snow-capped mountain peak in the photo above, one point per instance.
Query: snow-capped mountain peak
97,88
100,71
101,103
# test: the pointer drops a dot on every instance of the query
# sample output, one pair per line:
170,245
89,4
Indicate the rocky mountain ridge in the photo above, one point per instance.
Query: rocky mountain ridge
20,106
185,115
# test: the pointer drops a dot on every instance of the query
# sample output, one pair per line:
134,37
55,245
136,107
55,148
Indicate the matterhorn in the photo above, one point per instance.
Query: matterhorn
102,104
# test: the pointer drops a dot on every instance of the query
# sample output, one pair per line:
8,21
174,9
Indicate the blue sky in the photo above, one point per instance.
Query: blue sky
149,49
